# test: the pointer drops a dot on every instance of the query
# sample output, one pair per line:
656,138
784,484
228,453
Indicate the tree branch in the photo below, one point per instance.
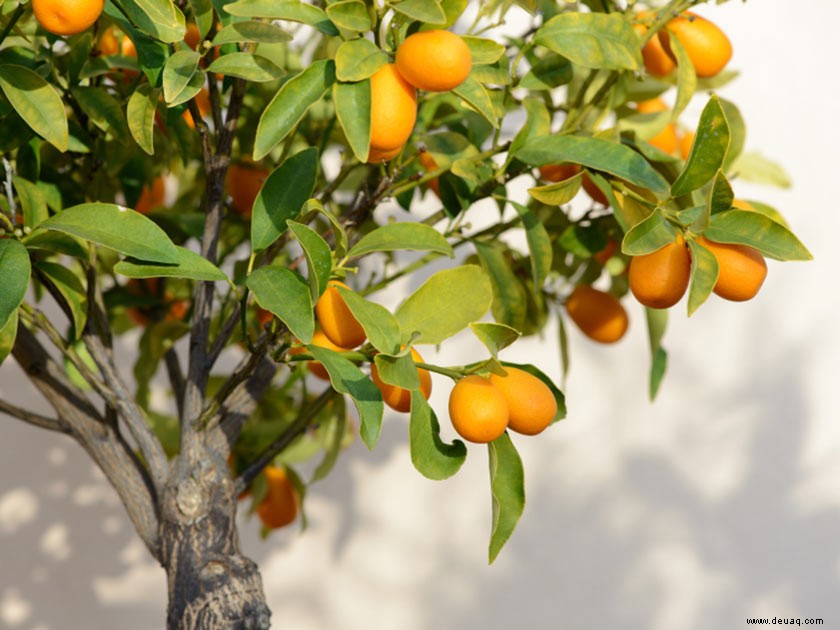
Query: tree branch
35,419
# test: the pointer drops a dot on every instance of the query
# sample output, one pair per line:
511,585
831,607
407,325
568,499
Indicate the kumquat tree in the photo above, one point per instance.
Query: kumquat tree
209,174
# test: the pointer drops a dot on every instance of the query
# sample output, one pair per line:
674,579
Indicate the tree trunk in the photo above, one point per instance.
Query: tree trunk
212,586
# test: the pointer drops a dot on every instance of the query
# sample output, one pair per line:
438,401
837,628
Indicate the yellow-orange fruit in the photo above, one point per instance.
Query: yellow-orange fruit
243,182
657,62
531,404
398,398
393,110
665,140
67,17
708,48
336,319
434,61
599,315
111,44
151,196
428,163
559,172
280,505
740,204
659,279
322,341
686,142
741,270
192,37
478,409
377,155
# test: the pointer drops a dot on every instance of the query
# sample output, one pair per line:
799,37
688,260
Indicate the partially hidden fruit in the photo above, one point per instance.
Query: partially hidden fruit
322,341
375,155
280,505
686,142
478,409
151,196
660,279
708,48
657,62
202,101
393,112
114,42
434,61
398,398
741,270
336,319
599,315
593,191
531,404
428,163
665,140
741,204
559,172
67,17
243,183
162,305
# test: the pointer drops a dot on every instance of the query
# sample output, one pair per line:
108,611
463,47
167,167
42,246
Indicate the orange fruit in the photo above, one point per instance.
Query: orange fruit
428,163
151,196
740,204
202,101
686,142
393,110
434,61
376,155
67,17
478,409
336,320
531,404
398,398
280,505
322,341
606,252
593,191
559,172
657,61
599,315
243,182
741,270
708,48
172,309
665,140
264,317
659,279
192,37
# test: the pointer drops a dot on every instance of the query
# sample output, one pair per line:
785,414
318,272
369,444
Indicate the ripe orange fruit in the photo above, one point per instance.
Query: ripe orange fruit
428,163
686,142
599,315
264,317
708,47
434,61
593,191
280,505
741,270
243,182
171,309
151,196
531,405
114,42
376,155
393,111
665,140
202,100
656,60
67,17
322,341
607,252
397,398
336,320
192,37
659,279
559,172
478,409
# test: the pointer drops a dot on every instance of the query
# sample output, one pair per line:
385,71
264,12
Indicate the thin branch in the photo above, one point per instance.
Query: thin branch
224,334
176,377
35,419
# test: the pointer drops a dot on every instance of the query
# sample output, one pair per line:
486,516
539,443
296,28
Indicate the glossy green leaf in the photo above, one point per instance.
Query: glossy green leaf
251,31
405,235
592,40
72,289
8,334
177,74
756,168
510,302
285,294
318,257
33,202
351,15
657,322
381,327
159,19
56,243
704,275
293,10
445,304
118,228
103,110
37,102
720,200
483,50
596,153
539,244
710,146
14,269
758,231
190,265
352,107
140,114
290,104
358,59
651,234
428,11
537,123
686,78
548,73
248,66
399,371
432,457
495,337
557,193
475,95
737,132
202,11
507,487
282,196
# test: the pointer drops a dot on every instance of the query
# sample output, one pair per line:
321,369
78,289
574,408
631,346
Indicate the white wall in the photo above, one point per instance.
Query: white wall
716,503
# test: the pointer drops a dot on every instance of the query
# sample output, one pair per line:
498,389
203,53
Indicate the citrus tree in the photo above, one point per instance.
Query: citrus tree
208,176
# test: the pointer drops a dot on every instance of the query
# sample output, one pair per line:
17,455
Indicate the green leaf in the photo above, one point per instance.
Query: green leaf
190,265
351,15
159,19
428,11
318,257
15,270
381,327
432,457
285,294
710,146
704,275
445,304
32,201
118,228
72,289
507,487
483,50
758,231
537,123
495,337
141,116
596,153
346,378
657,322
281,197
8,334
405,235
251,31
358,59
177,74
592,40
352,107
737,132
56,243
37,102
651,234
474,95
558,193
248,66
103,110
510,302
334,432
686,78
754,167
202,11
539,244
399,370
292,10
548,73
290,104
